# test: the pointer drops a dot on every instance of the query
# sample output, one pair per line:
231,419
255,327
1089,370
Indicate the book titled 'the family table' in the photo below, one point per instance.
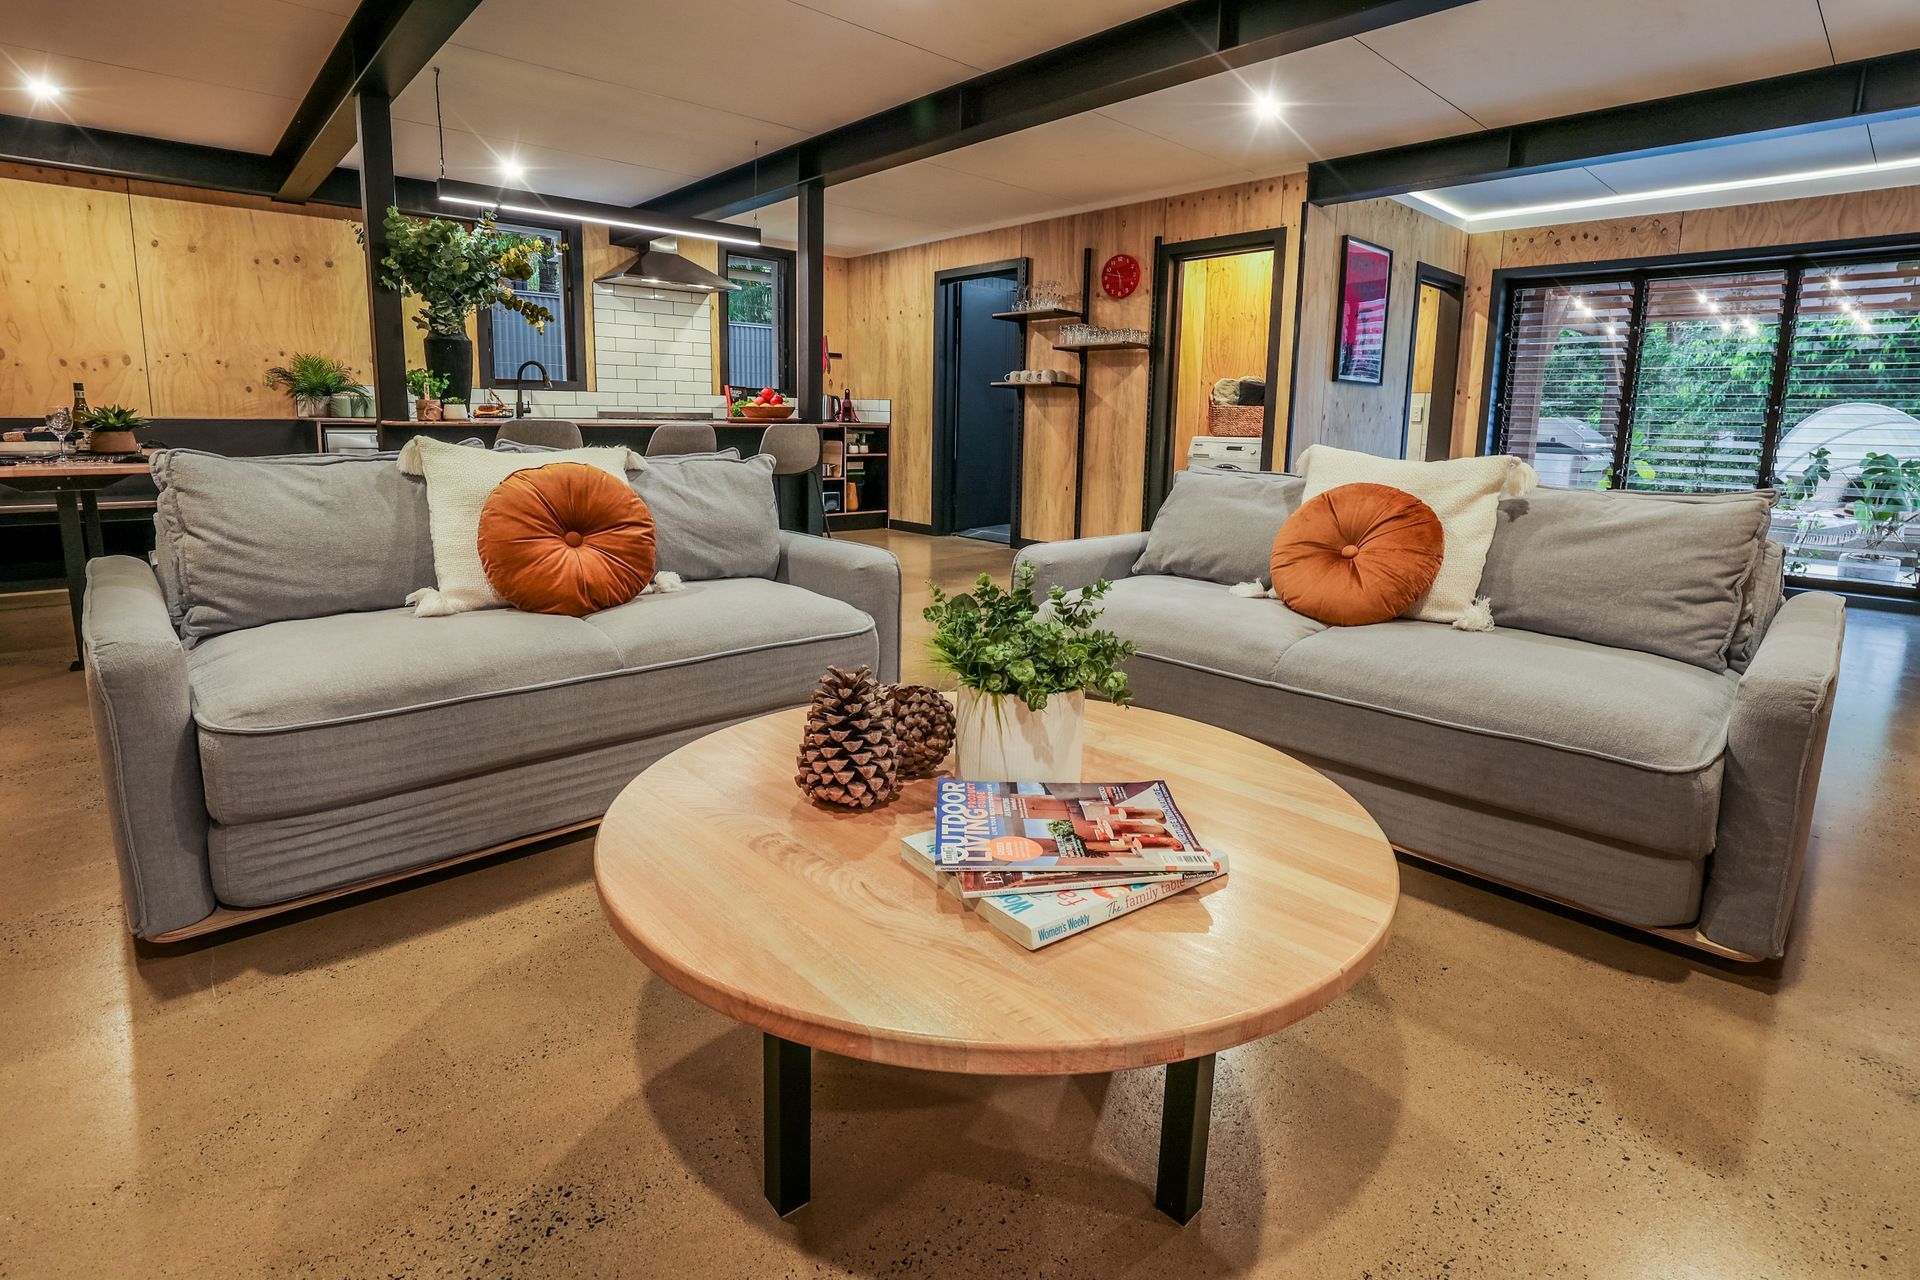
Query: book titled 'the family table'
1035,919
1112,828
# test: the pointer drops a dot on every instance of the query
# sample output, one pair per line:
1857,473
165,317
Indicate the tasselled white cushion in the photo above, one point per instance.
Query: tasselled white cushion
460,479
1464,493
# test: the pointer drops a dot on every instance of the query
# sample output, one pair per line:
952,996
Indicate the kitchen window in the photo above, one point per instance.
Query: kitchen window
1803,375
758,318
507,339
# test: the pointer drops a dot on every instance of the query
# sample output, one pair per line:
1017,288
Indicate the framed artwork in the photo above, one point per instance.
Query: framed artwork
1366,272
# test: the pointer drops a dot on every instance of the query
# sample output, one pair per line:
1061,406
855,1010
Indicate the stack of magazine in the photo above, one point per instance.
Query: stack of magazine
1041,861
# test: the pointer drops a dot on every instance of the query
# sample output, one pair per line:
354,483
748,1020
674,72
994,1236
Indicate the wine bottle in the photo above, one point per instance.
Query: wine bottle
79,404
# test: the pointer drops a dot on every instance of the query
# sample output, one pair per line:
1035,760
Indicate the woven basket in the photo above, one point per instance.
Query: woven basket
1235,419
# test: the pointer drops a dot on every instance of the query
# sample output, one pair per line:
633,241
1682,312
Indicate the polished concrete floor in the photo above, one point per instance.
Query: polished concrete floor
471,1077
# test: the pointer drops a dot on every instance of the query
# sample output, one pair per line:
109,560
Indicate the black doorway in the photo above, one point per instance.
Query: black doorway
1426,431
977,427
1166,437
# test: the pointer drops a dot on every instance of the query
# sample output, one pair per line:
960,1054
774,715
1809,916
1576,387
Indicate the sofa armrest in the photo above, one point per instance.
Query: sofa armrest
1083,561
1775,743
868,578
149,755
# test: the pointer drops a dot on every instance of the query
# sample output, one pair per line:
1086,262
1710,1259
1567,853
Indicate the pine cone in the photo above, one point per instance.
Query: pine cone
922,729
847,750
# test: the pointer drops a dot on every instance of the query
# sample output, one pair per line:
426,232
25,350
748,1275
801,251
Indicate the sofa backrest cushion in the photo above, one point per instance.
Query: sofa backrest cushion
1218,526
248,541
1766,592
1660,573
713,516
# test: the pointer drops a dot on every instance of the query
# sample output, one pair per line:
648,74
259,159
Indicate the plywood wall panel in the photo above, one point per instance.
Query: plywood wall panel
1600,241
1371,419
1483,259
1852,216
69,297
227,290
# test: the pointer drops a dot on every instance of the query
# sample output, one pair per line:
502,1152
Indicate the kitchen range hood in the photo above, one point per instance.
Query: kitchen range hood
659,266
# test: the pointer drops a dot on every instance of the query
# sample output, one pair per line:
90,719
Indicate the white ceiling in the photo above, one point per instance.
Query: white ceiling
616,101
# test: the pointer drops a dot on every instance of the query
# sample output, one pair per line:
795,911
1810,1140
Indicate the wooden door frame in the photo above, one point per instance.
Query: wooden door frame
1447,282
940,496
1165,344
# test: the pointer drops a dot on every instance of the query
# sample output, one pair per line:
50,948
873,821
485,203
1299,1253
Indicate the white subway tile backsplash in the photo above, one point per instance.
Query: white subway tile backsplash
649,353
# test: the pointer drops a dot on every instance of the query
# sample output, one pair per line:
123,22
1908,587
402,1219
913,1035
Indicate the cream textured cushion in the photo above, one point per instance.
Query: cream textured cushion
459,480
1464,493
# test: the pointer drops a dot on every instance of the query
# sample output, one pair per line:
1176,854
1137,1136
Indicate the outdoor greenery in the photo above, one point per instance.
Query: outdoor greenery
425,384
752,302
1006,642
456,268
309,376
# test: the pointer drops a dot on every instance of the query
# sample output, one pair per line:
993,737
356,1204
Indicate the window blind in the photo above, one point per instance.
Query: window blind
1564,387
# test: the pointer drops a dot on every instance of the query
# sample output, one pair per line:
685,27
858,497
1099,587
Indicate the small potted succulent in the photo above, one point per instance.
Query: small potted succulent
110,428
427,388
1025,667
312,380
453,409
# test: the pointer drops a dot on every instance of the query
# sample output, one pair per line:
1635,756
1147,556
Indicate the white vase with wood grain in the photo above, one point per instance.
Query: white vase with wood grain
1000,739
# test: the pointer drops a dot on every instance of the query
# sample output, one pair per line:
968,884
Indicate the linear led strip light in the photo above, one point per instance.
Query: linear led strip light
536,205
1666,193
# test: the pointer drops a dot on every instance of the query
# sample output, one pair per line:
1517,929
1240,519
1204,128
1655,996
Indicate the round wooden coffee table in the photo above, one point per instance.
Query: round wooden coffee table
807,923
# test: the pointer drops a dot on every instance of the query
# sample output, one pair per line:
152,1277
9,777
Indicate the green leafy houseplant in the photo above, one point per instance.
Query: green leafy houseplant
1889,501
112,417
1007,643
425,384
309,376
455,269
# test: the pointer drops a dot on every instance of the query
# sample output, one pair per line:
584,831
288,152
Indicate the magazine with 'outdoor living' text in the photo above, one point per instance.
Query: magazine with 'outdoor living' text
1113,828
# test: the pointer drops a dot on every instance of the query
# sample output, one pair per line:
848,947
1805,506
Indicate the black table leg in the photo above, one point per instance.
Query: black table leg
73,551
90,521
787,1158
1183,1138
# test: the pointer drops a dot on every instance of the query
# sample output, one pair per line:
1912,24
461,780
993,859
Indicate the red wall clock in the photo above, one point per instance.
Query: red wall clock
1121,275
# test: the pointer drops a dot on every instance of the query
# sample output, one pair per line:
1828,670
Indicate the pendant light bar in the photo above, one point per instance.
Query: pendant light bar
533,204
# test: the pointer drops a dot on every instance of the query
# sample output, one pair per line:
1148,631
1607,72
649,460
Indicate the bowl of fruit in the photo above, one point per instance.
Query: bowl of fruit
768,406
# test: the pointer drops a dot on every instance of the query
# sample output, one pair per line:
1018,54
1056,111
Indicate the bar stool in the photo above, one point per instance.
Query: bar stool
682,437
552,433
795,448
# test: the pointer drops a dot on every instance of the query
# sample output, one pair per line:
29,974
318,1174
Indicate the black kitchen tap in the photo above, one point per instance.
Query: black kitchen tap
520,390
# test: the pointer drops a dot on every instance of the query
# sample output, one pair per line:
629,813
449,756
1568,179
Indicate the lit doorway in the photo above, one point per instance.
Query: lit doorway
1427,434
1216,359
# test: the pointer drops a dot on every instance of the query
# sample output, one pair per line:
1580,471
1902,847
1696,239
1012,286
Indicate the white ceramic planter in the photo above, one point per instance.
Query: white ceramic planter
998,739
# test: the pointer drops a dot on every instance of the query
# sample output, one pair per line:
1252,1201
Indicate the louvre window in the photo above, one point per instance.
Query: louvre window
1805,376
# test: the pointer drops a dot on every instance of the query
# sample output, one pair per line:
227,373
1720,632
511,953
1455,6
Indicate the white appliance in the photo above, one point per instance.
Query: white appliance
1223,453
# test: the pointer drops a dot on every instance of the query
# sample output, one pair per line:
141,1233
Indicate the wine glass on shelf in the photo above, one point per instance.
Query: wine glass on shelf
62,423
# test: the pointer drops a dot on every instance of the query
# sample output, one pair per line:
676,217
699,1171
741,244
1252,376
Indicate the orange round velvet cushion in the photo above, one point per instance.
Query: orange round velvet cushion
566,538
1357,554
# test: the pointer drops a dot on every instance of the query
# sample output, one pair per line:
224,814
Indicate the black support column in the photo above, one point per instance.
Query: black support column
809,303
377,193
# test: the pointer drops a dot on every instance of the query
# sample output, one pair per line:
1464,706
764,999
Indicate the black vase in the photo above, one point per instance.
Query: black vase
451,356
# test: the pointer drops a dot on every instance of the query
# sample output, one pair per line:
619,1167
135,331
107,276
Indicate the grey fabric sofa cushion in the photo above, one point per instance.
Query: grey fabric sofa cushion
248,541
713,516
1203,625
1613,742
1661,573
311,714
1766,590
1219,525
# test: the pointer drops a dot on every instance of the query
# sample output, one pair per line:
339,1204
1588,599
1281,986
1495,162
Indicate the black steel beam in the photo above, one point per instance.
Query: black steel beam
809,303
1189,41
373,125
1853,93
385,45
181,164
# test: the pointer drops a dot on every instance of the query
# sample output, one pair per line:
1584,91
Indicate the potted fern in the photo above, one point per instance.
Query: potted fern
110,428
311,380
1024,667
455,269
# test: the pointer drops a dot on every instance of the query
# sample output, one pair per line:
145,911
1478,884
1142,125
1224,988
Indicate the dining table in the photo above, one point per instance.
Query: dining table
74,480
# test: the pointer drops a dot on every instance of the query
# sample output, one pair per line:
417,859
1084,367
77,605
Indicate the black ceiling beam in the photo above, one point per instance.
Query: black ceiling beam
1187,42
1852,93
183,164
386,44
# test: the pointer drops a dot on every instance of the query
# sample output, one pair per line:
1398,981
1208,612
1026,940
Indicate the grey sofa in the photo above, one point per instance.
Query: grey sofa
272,728
1639,737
